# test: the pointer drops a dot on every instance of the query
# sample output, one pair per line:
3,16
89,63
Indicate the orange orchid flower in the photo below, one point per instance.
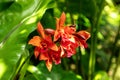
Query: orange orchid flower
45,49
69,38
65,36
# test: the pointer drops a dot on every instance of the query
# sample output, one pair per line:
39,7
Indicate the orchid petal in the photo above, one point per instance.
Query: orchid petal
35,41
55,55
49,31
62,19
47,39
57,24
84,34
36,52
44,56
60,22
70,30
62,51
40,29
83,44
54,47
71,50
49,64
50,44
56,35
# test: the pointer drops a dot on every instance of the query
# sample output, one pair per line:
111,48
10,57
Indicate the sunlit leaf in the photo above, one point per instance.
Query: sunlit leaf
41,73
101,75
14,32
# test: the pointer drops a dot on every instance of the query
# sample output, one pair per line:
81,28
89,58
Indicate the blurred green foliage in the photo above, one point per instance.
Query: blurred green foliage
18,20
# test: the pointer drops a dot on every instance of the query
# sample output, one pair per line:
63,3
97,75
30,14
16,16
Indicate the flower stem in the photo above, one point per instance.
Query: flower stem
94,31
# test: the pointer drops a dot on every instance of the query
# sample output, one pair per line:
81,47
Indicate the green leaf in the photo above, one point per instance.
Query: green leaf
101,75
6,0
41,73
5,5
15,26
86,7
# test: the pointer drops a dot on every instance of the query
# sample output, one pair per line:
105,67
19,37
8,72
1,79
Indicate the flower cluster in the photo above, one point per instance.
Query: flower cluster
52,45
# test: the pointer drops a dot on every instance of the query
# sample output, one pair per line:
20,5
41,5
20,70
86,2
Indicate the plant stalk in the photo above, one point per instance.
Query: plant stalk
94,31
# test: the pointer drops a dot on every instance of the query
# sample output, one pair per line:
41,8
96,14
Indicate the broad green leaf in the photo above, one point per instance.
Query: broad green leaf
41,73
15,26
5,5
6,0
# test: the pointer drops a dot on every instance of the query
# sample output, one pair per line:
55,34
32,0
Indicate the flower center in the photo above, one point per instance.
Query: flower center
44,45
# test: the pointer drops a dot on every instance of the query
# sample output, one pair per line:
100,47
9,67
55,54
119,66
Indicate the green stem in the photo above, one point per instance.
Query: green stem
117,65
65,64
114,48
77,61
118,58
94,31
24,69
16,70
